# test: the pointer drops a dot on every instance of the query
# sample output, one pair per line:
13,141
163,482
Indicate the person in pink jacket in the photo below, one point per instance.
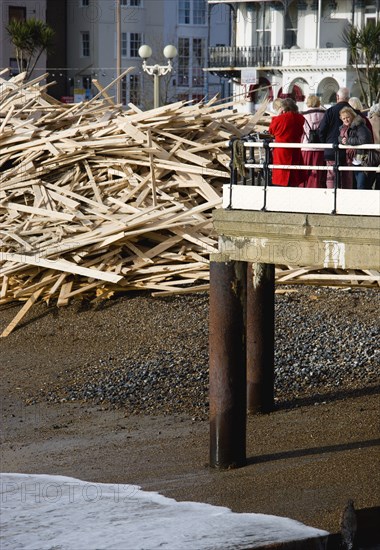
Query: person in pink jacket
287,127
313,157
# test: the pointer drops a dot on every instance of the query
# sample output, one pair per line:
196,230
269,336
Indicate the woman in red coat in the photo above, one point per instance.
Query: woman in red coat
287,127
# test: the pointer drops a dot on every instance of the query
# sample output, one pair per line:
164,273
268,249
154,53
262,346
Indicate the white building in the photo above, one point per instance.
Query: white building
290,48
89,34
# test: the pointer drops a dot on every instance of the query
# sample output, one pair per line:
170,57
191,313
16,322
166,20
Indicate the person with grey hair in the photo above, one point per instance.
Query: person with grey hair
374,117
329,133
277,105
355,103
343,94
357,106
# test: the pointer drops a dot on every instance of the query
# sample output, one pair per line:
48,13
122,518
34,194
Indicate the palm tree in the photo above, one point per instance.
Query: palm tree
30,39
364,45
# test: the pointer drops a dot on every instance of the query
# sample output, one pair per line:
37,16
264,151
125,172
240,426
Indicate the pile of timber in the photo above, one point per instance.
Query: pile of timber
96,200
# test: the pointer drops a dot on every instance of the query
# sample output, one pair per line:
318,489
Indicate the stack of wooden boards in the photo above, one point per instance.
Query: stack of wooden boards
94,199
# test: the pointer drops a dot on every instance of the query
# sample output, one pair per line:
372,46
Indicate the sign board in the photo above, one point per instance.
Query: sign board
79,95
249,76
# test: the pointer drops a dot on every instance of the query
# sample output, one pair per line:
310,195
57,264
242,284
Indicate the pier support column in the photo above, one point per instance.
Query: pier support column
260,337
228,386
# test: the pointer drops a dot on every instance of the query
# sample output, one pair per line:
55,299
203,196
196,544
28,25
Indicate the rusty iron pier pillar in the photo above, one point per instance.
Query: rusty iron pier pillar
228,380
260,337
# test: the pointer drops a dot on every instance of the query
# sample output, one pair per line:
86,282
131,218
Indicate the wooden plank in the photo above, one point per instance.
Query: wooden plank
23,311
60,265
4,287
110,85
176,290
152,169
63,298
191,169
40,211
292,275
57,284
91,179
337,277
7,117
103,91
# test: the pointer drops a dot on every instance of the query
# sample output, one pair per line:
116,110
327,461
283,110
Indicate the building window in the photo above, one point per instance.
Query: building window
134,43
291,19
184,12
131,3
199,12
263,18
124,44
135,89
197,62
183,61
85,3
192,13
134,83
85,44
130,44
17,13
191,59
124,90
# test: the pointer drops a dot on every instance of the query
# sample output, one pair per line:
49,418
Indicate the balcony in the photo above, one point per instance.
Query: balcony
231,58
316,58
238,57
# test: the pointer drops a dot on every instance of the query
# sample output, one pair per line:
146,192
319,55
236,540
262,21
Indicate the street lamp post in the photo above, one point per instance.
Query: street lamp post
118,51
157,70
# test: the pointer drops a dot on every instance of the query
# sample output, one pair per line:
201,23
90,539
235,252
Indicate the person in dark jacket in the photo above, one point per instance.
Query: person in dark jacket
357,106
329,132
354,131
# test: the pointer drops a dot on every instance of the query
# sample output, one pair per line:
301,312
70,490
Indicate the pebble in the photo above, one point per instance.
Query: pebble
327,341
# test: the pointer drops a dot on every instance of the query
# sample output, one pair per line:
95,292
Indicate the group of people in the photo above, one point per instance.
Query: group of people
345,123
